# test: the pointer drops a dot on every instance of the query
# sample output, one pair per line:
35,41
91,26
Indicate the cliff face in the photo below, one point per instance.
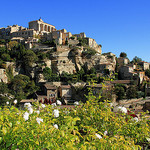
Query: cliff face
71,60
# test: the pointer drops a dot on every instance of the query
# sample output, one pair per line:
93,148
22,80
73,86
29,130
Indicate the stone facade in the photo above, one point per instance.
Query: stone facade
41,26
3,76
122,61
80,35
92,43
26,33
6,33
145,65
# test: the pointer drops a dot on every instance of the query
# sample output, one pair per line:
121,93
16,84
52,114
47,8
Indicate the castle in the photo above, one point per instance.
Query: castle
38,29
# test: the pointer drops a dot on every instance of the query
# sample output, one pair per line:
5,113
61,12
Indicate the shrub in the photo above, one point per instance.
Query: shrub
89,126
89,53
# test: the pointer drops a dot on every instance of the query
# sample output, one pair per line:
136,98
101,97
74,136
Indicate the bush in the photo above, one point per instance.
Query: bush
89,53
89,126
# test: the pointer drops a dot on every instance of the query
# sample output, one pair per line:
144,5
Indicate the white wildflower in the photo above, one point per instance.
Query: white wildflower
39,120
56,126
38,112
15,101
56,113
54,104
43,106
135,119
27,105
26,116
98,136
59,102
105,133
30,110
18,122
7,103
120,109
76,103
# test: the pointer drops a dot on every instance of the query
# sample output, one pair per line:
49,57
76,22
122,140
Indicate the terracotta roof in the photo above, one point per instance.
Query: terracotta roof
50,86
27,101
121,81
65,86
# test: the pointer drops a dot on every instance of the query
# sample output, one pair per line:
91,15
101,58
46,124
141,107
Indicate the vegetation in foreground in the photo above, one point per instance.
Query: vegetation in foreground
88,126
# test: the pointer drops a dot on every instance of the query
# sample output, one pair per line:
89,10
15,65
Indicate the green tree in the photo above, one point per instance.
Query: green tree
2,41
29,58
5,57
147,73
47,72
123,54
13,44
119,91
81,73
21,86
136,60
3,88
131,92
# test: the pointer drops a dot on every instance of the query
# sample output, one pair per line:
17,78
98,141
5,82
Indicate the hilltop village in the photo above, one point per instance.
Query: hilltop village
43,63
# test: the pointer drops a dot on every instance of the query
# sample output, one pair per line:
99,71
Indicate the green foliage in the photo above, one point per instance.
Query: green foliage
48,75
78,128
29,58
9,73
88,53
66,76
66,42
50,43
3,88
5,57
123,54
21,86
82,42
136,60
131,92
2,41
13,44
72,37
147,73
120,91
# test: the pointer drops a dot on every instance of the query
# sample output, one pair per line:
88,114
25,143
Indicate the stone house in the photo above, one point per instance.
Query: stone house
25,33
126,72
122,61
92,43
6,33
3,76
65,92
49,93
144,65
80,35
60,36
102,67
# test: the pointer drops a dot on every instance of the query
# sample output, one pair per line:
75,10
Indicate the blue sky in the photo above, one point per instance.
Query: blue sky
118,25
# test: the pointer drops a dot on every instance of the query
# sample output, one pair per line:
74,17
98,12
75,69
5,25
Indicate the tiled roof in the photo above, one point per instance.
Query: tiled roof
65,86
121,81
27,101
49,86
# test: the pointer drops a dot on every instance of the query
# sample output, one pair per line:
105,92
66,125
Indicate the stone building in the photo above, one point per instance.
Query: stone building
6,33
144,65
25,33
80,35
122,61
65,92
60,36
3,76
41,26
